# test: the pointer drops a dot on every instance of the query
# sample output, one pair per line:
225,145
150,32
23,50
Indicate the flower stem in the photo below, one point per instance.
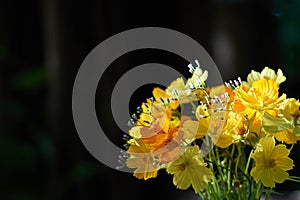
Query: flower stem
248,162
268,194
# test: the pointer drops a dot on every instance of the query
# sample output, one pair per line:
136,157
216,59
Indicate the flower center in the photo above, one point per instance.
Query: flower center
270,163
241,130
181,167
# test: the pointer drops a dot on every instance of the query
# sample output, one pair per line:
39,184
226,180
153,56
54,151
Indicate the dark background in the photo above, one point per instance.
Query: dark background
42,45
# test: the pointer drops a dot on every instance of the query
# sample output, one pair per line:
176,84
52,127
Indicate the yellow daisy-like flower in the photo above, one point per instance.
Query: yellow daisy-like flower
142,160
158,125
262,97
272,162
161,97
159,133
197,129
228,132
190,169
224,128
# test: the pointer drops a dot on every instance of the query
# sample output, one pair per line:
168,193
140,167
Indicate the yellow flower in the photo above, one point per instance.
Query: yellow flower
228,132
161,97
179,90
266,73
158,128
189,91
262,97
224,128
272,162
156,119
287,136
197,129
190,169
141,159
290,109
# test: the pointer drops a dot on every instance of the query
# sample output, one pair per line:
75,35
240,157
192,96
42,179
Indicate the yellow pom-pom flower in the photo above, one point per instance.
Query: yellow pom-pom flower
262,97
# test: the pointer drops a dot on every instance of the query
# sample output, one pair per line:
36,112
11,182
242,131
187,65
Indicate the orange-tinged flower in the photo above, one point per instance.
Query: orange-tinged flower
272,162
162,103
158,126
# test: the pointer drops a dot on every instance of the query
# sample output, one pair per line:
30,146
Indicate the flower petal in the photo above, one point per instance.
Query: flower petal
200,177
279,175
280,151
267,178
182,180
268,145
285,163
256,173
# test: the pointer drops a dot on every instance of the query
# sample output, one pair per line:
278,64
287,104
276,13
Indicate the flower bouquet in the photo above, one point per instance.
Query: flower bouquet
226,142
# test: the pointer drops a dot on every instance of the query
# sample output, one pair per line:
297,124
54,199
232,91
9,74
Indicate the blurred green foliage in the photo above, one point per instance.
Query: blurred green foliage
19,156
31,79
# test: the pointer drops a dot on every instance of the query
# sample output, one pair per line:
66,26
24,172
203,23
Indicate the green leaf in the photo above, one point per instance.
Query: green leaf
297,130
274,124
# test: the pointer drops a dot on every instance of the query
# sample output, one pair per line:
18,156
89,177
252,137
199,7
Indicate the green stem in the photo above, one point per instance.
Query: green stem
237,160
268,194
294,177
257,189
295,180
293,142
215,186
229,166
219,162
248,162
